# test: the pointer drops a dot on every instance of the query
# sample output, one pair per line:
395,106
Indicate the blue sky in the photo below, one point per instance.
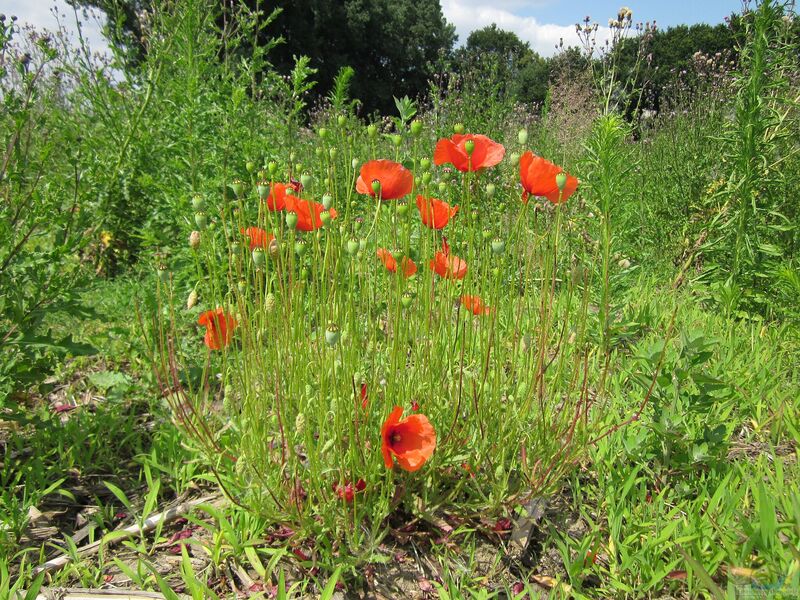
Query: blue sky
542,23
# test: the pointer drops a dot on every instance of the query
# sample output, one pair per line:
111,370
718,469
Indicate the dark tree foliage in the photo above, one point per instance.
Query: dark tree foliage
520,72
393,45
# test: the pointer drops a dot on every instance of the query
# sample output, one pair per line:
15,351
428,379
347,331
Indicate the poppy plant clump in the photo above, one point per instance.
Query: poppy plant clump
408,267
539,178
435,213
393,180
470,152
219,328
410,441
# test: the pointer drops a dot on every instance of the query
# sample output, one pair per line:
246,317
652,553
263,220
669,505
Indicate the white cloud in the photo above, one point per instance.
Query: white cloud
42,14
469,15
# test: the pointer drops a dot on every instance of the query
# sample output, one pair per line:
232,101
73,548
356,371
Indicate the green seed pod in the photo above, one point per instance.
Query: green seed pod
354,163
442,187
406,299
262,175
332,153
490,190
426,177
241,286
376,187
458,128
198,203
425,164
237,185
263,189
163,273
498,246
469,147
397,140
291,220
318,151
327,201
305,180
416,127
372,130
514,159
332,335
323,133
300,247
351,247
235,247
269,303
486,234
250,166
272,167
362,244
259,257
341,120
561,181
522,137
325,217
200,220
402,209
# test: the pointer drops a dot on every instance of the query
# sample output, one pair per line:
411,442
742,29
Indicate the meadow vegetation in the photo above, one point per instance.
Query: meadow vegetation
471,348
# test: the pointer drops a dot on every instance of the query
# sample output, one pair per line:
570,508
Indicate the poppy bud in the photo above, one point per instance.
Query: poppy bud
624,263
200,220
458,128
354,163
273,249
327,201
272,167
250,166
269,302
163,273
426,177
351,247
198,203
323,133
237,186
372,130
442,187
514,159
486,234
258,257
291,219
305,180
425,163
263,189
397,140
402,209
191,301
332,153
332,335
469,147
194,240
522,137
376,187
498,246
341,120
325,217
416,127
561,180
406,299
490,190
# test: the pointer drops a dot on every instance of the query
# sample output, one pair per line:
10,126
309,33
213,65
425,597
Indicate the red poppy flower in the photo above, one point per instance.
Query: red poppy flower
485,153
408,265
277,196
447,265
258,237
538,177
475,305
364,396
411,441
434,212
219,328
396,181
347,492
308,213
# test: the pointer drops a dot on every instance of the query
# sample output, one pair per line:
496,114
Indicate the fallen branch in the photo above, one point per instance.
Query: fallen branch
122,534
